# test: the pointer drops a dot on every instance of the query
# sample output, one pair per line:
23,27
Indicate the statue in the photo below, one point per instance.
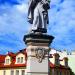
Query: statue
38,15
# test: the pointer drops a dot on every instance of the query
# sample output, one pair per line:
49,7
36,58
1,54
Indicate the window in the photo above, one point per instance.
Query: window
12,72
23,72
18,60
7,61
4,72
21,59
17,72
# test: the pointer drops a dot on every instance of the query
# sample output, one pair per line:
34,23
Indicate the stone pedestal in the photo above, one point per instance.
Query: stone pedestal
37,53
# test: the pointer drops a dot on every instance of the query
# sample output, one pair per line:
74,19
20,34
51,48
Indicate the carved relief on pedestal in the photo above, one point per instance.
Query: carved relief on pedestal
40,53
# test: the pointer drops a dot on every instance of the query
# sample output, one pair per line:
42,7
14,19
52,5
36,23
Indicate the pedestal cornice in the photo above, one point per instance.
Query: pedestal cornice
38,39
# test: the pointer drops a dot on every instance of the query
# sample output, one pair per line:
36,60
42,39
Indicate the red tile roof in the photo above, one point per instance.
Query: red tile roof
2,58
13,60
12,65
11,54
51,65
57,66
23,52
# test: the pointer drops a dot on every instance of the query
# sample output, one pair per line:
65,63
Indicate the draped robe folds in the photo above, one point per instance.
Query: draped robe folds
37,14
31,7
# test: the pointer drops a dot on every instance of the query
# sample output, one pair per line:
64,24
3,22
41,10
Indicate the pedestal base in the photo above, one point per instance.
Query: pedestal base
38,53
36,68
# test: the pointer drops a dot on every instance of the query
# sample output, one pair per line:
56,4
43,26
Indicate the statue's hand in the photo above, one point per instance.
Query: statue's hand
30,21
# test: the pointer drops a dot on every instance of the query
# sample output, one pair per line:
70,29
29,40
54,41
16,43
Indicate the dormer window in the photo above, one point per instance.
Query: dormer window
7,61
20,60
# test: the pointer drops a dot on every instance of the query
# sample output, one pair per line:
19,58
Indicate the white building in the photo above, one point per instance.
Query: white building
71,57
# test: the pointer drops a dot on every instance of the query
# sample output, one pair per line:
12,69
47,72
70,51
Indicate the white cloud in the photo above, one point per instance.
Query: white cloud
62,24
13,20
22,8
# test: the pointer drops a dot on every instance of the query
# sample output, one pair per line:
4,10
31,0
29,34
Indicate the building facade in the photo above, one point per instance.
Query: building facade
15,64
59,66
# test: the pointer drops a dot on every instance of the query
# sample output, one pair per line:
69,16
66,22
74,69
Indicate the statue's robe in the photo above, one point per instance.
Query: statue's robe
31,6
38,14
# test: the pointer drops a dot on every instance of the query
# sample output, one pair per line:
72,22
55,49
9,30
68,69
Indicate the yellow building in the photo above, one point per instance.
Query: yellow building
15,64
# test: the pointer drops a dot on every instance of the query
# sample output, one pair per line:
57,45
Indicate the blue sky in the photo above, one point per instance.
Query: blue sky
14,25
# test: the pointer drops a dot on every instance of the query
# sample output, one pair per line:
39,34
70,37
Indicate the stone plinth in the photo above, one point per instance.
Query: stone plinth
37,53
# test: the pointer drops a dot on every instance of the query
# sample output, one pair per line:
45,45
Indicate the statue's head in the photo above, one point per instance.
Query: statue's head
46,1
49,1
46,4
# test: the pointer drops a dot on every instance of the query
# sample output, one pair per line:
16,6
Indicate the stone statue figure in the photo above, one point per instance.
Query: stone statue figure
38,15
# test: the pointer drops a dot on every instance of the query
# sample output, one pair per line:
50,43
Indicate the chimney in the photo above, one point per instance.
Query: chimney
65,61
55,59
